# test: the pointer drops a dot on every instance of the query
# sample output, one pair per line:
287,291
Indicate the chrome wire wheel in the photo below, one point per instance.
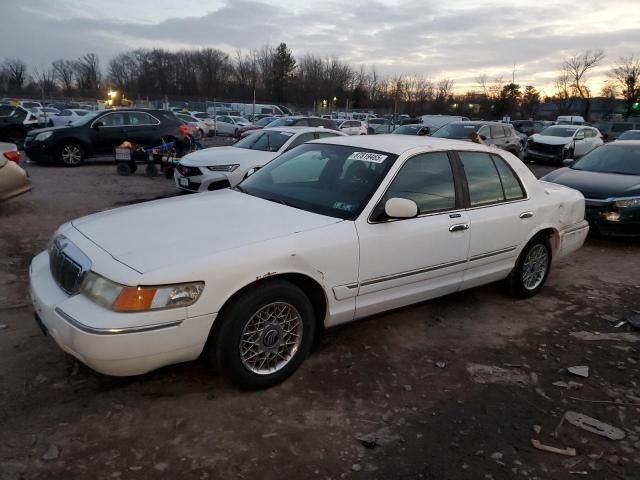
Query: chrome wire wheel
271,338
71,154
535,267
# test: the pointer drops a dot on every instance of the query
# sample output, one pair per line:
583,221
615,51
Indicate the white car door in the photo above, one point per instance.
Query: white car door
225,125
581,143
500,216
403,261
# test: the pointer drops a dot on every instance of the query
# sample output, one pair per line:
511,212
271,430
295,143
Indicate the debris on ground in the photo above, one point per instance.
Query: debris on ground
569,452
633,319
567,385
52,453
441,364
594,426
485,374
4,326
613,337
579,370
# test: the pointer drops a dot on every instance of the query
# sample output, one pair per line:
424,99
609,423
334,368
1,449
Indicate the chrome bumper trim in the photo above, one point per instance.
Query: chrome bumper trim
114,331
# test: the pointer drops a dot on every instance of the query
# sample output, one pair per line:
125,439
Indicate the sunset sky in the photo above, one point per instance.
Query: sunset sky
436,38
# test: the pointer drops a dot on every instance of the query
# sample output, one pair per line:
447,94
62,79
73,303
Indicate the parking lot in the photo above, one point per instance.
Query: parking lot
452,388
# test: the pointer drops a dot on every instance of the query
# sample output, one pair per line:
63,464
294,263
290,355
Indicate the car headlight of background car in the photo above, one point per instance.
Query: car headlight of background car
41,137
122,298
223,168
628,202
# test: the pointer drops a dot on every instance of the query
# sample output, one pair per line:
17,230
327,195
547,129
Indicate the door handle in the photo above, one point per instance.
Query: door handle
459,227
526,215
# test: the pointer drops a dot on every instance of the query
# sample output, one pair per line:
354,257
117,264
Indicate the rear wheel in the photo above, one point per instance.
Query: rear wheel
532,268
71,154
264,335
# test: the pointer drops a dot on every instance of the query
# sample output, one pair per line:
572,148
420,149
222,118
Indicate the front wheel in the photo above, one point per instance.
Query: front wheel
71,154
264,335
532,268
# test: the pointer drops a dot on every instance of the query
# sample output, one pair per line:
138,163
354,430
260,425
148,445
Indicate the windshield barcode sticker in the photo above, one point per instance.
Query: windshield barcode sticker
368,157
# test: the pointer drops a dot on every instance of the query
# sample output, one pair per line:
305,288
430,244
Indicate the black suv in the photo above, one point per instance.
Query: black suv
100,132
304,122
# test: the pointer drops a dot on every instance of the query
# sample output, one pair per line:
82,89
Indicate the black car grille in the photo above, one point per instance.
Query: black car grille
188,171
68,265
544,148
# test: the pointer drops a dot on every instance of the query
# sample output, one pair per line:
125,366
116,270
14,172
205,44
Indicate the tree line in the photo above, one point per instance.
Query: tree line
275,75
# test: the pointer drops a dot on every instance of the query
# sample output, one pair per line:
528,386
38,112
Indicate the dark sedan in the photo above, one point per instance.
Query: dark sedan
100,132
609,179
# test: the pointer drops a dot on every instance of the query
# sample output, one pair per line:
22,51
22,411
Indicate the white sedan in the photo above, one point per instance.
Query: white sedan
353,127
223,167
230,124
332,231
65,117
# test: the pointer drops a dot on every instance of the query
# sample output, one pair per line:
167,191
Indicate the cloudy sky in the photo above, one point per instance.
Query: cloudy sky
437,38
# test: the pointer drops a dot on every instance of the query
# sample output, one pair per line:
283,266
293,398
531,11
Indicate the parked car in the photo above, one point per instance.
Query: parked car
12,126
304,243
630,135
352,127
558,142
223,167
613,130
570,120
609,179
65,117
29,104
100,132
198,127
230,125
257,125
304,122
434,122
44,114
412,130
207,120
380,125
501,135
14,180
528,127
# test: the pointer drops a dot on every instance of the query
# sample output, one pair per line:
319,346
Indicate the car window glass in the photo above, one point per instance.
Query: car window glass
65,113
326,134
621,127
300,139
304,168
510,184
303,122
508,132
141,118
482,178
497,131
112,120
484,132
426,179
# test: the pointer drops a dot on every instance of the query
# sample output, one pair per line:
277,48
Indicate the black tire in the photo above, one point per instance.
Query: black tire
124,169
518,278
70,154
223,349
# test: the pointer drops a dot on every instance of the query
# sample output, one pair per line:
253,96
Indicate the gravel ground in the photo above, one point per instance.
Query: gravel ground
454,388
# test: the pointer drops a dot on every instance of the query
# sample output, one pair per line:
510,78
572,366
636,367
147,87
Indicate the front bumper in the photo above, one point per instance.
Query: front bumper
613,221
555,157
38,151
126,349
201,183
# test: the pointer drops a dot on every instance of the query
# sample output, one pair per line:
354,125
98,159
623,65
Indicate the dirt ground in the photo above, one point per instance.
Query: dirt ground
455,388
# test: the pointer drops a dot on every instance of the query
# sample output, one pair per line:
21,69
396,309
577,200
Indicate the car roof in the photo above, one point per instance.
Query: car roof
295,130
398,144
570,126
478,122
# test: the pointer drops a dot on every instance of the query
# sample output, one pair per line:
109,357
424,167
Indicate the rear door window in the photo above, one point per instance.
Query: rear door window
483,180
510,184
497,131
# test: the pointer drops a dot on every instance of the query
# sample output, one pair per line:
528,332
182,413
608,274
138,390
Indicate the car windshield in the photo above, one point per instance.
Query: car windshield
282,122
240,120
265,121
558,132
265,140
456,130
85,119
408,129
332,180
202,115
624,159
630,135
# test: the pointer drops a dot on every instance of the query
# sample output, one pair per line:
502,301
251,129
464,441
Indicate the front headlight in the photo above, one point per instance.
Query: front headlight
41,137
121,298
628,203
223,168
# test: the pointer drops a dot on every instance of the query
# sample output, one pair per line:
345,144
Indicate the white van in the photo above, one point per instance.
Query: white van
570,120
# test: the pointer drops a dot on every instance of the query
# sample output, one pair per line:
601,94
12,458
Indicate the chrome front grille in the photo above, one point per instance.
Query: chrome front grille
68,264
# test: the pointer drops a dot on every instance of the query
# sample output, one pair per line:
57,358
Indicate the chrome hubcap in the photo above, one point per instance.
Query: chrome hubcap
535,267
71,155
271,338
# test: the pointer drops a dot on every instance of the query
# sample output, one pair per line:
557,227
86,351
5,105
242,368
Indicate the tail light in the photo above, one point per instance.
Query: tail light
184,130
12,155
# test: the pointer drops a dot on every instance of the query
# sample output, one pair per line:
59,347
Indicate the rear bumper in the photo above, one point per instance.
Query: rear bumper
572,237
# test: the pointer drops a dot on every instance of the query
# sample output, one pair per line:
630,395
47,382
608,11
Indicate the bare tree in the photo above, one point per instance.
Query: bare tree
626,76
16,72
64,73
575,72
46,81
122,72
87,70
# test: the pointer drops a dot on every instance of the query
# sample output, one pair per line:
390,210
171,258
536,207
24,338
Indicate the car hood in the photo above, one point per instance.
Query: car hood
596,185
158,234
36,131
225,156
548,140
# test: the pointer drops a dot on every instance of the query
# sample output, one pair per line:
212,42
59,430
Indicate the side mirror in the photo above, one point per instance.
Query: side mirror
567,162
97,125
401,208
